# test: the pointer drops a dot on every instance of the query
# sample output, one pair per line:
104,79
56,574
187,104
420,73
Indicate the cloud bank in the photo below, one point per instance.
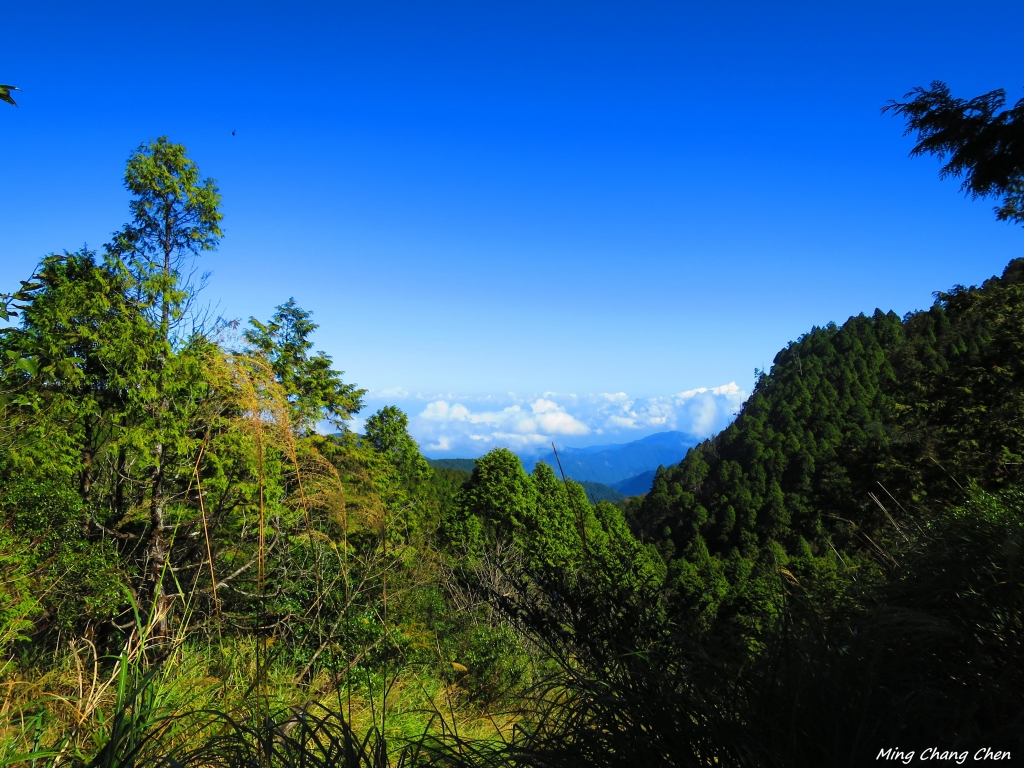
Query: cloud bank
469,426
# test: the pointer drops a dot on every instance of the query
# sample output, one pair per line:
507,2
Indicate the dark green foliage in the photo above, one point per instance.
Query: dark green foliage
929,656
629,689
599,492
496,505
439,493
911,407
463,465
19,607
961,390
811,433
983,141
388,432
80,356
543,518
84,578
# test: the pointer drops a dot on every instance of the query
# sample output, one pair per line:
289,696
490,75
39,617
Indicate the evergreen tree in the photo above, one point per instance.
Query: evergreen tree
983,142
315,391
387,431
175,216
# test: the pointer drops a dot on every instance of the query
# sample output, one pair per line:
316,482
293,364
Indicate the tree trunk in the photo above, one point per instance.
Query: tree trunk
158,550
122,461
159,604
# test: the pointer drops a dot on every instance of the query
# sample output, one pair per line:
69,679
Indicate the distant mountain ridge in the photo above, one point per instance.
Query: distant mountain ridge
628,468
615,464
595,491
637,485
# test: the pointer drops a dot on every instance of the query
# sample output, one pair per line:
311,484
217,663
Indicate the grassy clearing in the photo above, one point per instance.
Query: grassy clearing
75,708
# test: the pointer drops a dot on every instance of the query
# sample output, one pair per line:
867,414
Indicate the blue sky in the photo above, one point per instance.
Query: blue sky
492,205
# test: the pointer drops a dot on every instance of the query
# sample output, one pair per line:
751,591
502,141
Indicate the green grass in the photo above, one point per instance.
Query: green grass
212,704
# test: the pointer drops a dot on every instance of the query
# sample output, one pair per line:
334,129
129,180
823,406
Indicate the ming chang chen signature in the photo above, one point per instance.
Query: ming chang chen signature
934,753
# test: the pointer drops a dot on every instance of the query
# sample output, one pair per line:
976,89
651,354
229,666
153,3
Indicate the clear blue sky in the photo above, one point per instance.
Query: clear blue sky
480,198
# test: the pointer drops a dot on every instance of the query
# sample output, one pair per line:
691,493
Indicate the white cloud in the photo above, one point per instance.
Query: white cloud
561,423
731,389
444,443
436,411
451,424
621,421
526,426
395,393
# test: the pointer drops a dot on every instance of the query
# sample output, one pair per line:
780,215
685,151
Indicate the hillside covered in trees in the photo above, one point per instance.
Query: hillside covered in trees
915,409
193,574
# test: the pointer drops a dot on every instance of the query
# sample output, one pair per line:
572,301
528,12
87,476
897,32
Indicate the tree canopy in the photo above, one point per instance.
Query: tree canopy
977,139
314,389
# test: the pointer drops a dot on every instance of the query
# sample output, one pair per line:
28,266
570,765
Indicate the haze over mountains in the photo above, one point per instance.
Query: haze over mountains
610,464
627,467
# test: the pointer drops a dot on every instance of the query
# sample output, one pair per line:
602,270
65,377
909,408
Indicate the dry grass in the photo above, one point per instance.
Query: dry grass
67,712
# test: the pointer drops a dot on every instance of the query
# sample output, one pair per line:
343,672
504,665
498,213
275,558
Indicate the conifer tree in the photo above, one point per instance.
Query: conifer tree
175,217
315,391
388,432
978,139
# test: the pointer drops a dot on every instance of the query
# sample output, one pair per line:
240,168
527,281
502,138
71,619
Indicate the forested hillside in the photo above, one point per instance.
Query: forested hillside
916,409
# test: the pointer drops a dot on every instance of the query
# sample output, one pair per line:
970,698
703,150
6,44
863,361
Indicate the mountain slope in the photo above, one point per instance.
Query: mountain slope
917,408
463,465
610,464
636,485
597,492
